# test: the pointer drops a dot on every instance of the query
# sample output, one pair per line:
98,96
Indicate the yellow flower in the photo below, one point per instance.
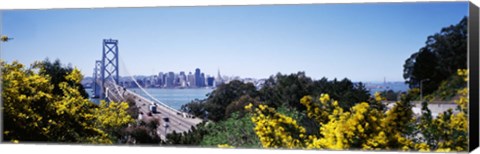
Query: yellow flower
335,103
443,150
378,97
249,106
262,107
225,146
324,98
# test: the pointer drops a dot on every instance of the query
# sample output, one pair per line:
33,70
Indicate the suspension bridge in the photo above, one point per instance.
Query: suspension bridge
106,87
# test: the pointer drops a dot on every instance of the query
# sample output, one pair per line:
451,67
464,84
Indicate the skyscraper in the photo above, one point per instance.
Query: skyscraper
198,80
210,80
161,79
202,79
170,79
154,81
183,79
191,80
182,75
219,79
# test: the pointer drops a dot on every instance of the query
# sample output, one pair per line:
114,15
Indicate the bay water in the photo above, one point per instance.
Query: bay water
174,98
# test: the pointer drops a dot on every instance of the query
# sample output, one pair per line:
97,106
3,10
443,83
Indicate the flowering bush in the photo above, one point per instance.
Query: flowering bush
365,126
448,131
34,112
276,130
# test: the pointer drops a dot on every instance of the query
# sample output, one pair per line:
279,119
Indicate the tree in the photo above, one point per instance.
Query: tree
448,131
366,125
57,74
345,91
287,90
390,95
277,91
236,131
144,132
195,107
112,118
361,127
193,137
442,55
237,106
25,98
34,112
218,100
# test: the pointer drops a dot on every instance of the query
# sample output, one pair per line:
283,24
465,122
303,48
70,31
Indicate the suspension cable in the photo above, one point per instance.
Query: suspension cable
116,87
116,97
148,94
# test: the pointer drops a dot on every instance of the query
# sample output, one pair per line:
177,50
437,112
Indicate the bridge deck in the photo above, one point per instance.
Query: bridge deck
178,121
435,107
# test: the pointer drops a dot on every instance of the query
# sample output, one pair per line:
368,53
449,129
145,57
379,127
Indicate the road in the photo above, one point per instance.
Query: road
177,121
435,107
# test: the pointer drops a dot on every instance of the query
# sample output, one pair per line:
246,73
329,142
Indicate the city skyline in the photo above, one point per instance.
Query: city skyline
170,79
361,42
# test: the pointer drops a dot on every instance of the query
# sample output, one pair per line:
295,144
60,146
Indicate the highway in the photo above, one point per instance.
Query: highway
436,107
177,121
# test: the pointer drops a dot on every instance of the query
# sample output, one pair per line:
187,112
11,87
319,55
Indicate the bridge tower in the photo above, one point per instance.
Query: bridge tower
109,61
97,89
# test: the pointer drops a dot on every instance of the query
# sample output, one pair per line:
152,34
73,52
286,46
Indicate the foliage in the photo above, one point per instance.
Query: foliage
218,100
113,118
145,132
234,131
448,131
442,55
57,74
448,88
232,97
344,91
367,125
276,130
287,90
133,110
24,95
195,107
238,105
414,93
390,95
225,146
33,111
193,137
141,135
423,71
277,91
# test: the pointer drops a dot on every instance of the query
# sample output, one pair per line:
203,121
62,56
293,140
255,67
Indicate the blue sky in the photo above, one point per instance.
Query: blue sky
363,42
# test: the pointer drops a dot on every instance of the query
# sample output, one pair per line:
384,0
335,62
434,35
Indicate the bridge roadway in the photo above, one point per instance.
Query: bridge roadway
178,121
436,107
